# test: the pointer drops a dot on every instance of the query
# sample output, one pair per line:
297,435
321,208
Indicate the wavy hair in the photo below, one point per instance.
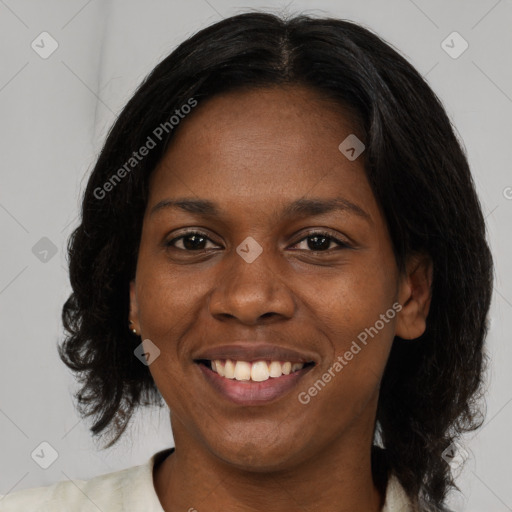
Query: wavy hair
431,389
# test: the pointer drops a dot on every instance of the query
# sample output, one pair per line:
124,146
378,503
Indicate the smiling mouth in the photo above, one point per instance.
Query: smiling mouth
252,383
255,371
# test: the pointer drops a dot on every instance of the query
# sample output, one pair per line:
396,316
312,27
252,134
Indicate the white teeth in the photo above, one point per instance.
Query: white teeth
229,369
219,368
242,370
258,371
275,369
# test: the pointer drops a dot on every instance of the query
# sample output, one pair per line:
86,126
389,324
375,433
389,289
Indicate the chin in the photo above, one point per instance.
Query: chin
261,454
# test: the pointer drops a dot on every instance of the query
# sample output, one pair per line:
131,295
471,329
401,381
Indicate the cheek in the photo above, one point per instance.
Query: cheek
355,313
170,310
163,311
168,300
348,302
349,381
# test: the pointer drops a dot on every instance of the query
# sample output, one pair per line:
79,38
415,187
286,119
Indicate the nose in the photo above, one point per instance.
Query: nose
252,292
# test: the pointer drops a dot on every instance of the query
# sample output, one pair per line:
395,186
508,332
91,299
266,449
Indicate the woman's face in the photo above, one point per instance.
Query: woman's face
253,286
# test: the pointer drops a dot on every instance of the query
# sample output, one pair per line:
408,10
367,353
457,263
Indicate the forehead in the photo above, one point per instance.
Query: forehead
262,145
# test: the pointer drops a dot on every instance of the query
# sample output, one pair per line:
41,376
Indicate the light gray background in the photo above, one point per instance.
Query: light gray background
55,114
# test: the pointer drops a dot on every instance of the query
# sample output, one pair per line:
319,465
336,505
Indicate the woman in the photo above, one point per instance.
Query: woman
281,239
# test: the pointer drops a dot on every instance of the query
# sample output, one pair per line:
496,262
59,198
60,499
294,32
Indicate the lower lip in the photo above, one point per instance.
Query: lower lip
250,392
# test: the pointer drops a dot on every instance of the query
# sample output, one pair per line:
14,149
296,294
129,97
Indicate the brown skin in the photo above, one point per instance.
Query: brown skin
253,152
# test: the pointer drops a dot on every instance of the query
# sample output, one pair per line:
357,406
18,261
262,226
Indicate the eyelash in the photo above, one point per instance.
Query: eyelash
341,243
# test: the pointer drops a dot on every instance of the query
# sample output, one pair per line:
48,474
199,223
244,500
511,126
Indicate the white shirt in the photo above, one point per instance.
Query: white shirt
129,490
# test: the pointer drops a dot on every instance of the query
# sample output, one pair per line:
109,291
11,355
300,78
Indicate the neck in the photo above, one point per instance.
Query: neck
337,479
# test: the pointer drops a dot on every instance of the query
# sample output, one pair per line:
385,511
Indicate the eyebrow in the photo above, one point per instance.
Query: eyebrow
300,207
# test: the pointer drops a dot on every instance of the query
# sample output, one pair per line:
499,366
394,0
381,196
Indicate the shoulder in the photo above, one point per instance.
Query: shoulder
397,499
111,491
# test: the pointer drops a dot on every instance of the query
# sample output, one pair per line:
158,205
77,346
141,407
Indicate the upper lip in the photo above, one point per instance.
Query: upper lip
248,351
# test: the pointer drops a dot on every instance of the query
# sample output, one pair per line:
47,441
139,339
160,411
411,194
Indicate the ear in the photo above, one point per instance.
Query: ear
415,293
134,308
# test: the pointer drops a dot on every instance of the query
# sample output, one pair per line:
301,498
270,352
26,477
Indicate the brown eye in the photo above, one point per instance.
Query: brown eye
321,242
191,241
